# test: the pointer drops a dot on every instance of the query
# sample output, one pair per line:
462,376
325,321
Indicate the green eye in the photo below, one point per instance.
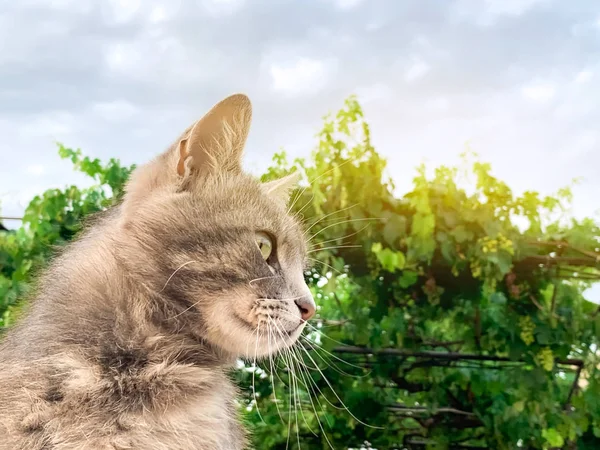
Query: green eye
265,245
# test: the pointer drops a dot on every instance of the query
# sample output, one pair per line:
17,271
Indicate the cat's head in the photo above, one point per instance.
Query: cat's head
219,251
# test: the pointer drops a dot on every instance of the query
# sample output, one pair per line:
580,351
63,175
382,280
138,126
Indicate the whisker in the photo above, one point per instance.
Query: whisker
342,223
318,178
293,392
254,373
185,310
321,219
299,212
281,299
289,406
317,348
310,390
327,265
332,247
297,400
335,393
298,197
310,184
342,237
272,370
261,278
174,272
313,328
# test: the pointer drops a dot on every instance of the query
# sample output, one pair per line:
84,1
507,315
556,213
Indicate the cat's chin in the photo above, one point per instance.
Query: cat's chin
249,343
265,345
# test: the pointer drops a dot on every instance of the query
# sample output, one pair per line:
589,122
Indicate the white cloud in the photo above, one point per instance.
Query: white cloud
158,59
157,14
418,69
122,11
485,13
347,4
115,111
218,8
72,6
119,56
438,104
584,76
510,7
35,169
374,92
539,91
582,145
373,26
301,76
53,125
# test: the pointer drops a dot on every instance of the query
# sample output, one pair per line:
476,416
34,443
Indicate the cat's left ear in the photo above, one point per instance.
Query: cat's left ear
281,189
216,142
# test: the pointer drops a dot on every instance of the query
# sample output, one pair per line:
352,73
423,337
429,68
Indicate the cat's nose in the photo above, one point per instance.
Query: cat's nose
307,306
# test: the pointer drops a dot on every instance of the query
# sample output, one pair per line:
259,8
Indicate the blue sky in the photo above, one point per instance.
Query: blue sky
517,79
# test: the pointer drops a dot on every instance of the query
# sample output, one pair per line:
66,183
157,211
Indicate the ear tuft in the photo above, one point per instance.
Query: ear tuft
282,188
216,141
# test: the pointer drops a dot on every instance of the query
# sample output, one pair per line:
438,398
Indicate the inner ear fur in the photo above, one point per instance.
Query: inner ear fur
281,189
216,141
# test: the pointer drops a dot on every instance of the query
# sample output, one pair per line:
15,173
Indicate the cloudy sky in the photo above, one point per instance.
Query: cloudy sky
517,79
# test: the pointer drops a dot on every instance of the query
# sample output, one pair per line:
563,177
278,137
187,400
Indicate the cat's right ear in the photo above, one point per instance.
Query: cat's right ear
281,189
216,142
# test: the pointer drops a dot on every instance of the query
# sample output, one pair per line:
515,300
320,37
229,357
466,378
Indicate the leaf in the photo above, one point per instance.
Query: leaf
408,278
389,259
519,406
498,298
553,437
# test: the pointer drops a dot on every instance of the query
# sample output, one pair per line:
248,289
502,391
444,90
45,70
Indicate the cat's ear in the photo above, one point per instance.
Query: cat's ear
281,189
216,141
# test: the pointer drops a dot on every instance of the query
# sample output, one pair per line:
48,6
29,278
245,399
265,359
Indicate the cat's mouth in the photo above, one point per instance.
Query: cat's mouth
253,329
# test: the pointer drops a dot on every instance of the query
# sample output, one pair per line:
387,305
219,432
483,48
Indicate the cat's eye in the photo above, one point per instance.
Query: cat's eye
265,244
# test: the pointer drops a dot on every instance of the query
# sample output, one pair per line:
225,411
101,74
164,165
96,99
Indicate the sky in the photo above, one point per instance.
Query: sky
516,80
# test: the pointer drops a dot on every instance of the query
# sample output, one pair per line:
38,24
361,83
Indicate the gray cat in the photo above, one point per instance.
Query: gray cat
128,342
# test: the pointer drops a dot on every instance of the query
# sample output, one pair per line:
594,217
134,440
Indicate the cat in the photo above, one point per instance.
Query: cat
129,341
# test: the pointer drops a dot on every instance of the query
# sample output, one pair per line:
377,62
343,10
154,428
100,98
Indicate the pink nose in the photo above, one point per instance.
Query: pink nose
307,307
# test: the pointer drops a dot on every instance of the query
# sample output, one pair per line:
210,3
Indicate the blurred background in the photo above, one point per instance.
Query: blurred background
453,153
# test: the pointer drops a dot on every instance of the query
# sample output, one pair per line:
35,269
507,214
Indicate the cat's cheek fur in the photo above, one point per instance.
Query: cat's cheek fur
236,322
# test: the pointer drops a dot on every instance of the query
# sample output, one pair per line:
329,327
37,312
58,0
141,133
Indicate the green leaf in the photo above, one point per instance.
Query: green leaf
553,437
519,406
408,278
498,298
389,259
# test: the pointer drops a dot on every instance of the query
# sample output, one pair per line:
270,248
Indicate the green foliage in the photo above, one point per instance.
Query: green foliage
445,269
51,220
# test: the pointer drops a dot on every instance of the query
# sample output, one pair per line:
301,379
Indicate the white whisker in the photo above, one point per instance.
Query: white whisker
261,278
335,393
254,373
308,379
328,215
174,272
342,223
341,237
332,247
272,370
